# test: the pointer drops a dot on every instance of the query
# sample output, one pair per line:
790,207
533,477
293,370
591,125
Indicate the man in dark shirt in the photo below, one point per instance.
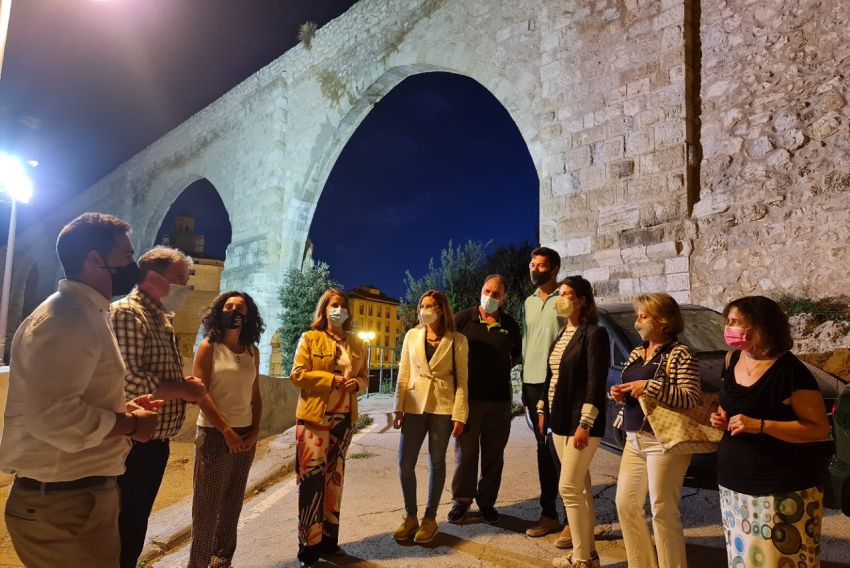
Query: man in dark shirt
495,345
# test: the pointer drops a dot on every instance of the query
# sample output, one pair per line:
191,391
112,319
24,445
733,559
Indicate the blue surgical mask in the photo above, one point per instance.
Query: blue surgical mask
337,315
489,304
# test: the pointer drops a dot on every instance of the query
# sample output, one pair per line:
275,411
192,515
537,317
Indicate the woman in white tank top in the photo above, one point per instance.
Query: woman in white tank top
227,362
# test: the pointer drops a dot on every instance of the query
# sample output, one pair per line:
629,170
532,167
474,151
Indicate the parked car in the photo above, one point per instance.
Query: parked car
704,334
839,467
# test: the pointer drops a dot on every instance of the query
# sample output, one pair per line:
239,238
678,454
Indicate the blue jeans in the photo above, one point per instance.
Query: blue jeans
414,427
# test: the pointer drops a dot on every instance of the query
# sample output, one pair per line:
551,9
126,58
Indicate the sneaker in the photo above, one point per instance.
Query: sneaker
427,531
565,539
542,527
457,513
409,526
567,561
490,514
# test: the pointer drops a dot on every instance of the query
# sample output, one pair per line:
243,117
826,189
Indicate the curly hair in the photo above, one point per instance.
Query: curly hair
252,328
770,331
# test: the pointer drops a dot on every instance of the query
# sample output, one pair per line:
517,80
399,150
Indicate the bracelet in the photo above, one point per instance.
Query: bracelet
761,427
135,425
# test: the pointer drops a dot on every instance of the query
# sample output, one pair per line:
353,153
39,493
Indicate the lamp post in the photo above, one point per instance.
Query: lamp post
5,12
17,185
368,336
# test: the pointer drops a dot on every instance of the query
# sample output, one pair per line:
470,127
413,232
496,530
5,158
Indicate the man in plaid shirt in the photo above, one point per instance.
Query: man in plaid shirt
142,325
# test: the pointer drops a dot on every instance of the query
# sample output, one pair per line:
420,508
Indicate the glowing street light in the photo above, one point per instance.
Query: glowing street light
15,182
366,336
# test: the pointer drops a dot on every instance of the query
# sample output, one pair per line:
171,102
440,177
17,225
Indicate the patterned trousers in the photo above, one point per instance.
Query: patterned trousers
218,490
320,468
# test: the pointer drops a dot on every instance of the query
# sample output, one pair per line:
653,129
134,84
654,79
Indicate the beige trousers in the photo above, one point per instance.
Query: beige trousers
576,491
645,468
77,528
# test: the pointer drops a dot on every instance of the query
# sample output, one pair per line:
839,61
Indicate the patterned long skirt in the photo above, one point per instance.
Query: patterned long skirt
772,531
320,469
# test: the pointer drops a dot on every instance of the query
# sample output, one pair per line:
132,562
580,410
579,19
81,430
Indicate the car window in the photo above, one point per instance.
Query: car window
703,329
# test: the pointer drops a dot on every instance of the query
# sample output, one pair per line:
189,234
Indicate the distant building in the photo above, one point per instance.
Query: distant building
204,281
374,311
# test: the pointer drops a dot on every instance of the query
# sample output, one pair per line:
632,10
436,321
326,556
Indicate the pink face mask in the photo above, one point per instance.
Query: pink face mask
737,338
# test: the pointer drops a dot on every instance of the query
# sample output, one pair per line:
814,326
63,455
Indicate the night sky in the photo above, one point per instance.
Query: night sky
87,84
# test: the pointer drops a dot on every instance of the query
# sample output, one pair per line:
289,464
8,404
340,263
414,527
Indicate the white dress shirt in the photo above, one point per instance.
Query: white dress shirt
66,382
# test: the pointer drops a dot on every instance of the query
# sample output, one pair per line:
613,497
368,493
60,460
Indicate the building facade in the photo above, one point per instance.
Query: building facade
373,311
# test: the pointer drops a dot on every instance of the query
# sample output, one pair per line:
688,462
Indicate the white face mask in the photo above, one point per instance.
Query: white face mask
564,306
489,304
427,315
176,296
644,329
337,316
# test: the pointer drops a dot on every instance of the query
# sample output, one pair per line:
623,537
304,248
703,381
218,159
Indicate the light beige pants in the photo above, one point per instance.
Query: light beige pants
576,491
77,528
645,468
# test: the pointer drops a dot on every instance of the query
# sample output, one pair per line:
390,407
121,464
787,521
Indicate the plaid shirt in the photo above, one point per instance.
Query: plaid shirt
151,354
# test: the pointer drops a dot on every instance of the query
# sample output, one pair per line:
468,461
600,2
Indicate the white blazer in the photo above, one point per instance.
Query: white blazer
428,386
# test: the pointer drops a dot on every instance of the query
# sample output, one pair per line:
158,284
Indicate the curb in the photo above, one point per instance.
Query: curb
171,526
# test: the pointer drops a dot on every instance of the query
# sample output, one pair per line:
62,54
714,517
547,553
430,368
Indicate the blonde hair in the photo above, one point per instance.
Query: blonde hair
662,308
320,318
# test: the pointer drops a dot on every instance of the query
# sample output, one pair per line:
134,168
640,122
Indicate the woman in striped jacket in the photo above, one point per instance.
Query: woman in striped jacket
664,369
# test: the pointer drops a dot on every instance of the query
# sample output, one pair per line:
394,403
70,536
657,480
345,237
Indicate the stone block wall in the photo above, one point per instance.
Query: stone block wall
614,113
774,209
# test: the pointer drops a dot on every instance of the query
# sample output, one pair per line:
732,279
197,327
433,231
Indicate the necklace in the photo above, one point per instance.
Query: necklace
751,370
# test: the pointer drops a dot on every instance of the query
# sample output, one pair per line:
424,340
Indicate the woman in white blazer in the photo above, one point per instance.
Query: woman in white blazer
430,400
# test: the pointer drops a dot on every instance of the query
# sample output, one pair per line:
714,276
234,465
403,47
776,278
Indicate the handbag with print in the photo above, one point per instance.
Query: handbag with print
683,430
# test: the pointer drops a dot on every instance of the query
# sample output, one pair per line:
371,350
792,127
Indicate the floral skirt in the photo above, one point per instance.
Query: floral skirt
772,531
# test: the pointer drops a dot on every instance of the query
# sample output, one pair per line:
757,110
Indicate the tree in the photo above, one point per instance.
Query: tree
461,273
298,296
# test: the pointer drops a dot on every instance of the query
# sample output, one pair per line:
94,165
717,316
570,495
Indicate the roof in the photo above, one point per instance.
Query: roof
371,293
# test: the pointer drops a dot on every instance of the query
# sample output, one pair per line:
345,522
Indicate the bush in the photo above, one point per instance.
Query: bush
825,309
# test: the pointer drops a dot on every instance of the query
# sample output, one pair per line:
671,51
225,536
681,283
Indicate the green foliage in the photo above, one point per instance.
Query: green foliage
363,420
461,272
822,310
298,296
306,32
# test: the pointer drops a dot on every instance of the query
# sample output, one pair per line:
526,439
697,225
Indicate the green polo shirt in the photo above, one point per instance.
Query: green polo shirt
540,328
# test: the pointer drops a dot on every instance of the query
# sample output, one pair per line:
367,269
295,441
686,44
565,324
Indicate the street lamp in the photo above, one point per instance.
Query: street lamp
17,185
367,337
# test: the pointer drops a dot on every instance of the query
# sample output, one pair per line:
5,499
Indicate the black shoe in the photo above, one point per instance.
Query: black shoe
326,550
490,514
457,513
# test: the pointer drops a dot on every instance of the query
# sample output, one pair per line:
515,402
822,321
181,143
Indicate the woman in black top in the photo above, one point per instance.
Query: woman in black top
574,408
768,467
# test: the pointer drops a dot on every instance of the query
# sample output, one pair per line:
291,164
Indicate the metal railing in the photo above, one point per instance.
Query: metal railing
383,369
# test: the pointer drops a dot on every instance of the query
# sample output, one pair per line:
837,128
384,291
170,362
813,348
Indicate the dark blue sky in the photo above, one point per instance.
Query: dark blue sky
86,85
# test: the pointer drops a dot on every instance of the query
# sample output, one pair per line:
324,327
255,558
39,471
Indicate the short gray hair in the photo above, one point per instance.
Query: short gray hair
500,278
159,258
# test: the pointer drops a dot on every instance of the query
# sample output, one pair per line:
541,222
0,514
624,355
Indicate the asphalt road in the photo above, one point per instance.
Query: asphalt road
372,508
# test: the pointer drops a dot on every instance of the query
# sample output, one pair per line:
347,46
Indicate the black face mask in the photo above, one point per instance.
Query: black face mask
124,278
232,320
541,278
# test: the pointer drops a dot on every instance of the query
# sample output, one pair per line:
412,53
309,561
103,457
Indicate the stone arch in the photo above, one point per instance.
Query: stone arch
486,76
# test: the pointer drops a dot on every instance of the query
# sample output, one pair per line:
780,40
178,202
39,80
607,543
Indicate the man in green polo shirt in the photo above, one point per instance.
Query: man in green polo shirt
540,328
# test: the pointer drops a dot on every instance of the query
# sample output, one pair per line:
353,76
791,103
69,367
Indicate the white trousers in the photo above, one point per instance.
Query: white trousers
645,468
576,491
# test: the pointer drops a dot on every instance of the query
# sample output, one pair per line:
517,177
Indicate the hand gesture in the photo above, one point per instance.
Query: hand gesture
145,422
193,390
350,385
617,394
719,419
457,428
144,402
397,420
250,438
740,424
581,438
634,388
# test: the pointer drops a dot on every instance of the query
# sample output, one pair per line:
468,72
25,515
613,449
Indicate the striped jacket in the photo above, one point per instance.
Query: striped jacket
681,389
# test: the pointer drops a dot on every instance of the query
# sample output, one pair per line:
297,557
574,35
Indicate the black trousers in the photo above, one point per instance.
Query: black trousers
487,430
548,468
145,466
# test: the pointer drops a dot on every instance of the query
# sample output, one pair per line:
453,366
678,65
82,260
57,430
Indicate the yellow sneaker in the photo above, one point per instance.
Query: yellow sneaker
409,525
427,531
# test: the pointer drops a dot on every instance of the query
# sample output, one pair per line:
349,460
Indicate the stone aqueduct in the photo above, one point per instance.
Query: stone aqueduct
697,147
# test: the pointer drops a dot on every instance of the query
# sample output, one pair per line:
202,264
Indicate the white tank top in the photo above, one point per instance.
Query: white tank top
230,386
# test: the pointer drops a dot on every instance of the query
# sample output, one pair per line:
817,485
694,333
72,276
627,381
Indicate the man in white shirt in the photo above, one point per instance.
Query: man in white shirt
67,424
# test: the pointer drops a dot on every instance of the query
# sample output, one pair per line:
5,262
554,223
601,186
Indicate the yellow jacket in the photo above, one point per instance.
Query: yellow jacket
312,372
428,386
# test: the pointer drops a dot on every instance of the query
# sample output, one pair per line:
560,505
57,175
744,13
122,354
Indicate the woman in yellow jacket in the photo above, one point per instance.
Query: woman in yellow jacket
430,400
330,368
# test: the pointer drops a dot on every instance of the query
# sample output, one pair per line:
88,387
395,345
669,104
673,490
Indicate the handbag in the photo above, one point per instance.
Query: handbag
683,430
